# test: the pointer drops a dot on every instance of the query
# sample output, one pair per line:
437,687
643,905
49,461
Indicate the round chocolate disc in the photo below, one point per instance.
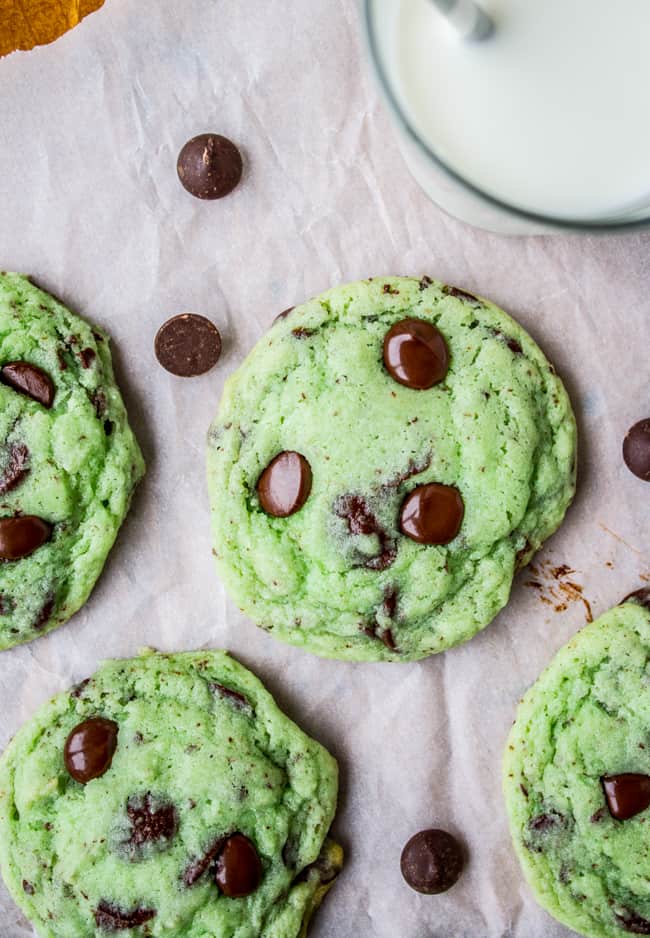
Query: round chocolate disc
209,166
432,861
432,514
284,486
239,869
22,535
636,449
188,345
416,354
89,749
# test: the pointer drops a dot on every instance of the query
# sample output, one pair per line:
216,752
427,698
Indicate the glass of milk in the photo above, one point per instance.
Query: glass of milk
544,125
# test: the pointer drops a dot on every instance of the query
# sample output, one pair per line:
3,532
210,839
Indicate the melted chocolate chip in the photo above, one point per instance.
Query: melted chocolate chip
514,346
362,520
425,282
432,514
87,356
641,597
545,822
389,606
89,749
234,697
188,345
239,869
28,888
201,865
415,354
111,918
29,380
209,166
460,294
301,333
432,861
22,535
16,468
636,449
627,794
152,822
45,612
284,486
633,923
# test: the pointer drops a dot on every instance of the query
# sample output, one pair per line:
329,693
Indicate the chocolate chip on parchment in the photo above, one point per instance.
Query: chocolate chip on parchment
636,449
188,345
432,861
22,535
416,354
238,869
209,166
29,380
627,794
432,514
89,749
110,917
284,486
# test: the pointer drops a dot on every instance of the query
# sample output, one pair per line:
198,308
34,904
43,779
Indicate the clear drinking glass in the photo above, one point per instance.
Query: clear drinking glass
445,185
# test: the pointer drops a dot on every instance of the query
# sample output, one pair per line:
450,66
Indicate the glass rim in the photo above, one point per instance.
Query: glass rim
566,224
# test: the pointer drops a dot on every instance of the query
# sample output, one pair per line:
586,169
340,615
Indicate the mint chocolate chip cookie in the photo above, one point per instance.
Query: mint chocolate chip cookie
577,777
68,460
167,796
382,462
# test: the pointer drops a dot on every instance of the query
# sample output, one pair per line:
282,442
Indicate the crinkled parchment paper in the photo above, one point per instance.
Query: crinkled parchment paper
90,206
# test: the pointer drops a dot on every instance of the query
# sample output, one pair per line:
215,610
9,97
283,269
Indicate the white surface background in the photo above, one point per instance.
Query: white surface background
90,206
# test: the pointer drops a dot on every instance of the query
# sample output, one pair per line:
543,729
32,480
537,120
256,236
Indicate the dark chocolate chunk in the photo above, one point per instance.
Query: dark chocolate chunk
627,794
110,917
432,514
30,380
28,888
284,486
636,449
87,356
239,869
460,294
15,469
89,749
641,596
234,697
209,166
425,282
633,923
78,690
301,333
22,535
152,821
362,520
202,864
416,354
432,861
514,346
188,345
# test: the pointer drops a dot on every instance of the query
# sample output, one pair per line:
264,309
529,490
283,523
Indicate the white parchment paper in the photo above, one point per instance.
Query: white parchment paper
91,207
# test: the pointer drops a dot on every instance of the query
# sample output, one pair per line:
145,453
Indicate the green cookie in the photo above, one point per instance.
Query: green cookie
68,460
577,777
340,575
210,820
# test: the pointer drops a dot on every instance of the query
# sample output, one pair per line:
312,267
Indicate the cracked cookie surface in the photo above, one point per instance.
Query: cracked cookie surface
582,732
67,458
492,429
208,792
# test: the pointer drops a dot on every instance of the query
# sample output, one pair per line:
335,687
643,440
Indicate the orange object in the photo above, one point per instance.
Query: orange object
28,23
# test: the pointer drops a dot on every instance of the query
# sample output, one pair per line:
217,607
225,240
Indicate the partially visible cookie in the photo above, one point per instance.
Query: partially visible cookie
167,797
381,464
577,777
68,460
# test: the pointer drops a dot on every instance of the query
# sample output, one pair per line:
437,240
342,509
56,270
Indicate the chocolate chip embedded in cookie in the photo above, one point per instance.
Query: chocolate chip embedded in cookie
188,345
170,806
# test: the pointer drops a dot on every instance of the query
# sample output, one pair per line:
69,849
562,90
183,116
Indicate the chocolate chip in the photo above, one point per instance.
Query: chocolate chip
87,356
627,794
7,605
633,923
15,469
545,822
641,597
201,865
22,535
89,749
152,822
239,869
29,380
209,166
234,697
188,345
78,690
362,520
28,888
415,354
45,612
636,449
302,333
389,606
284,486
111,918
425,282
514,346
432,514
461,294
432,861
